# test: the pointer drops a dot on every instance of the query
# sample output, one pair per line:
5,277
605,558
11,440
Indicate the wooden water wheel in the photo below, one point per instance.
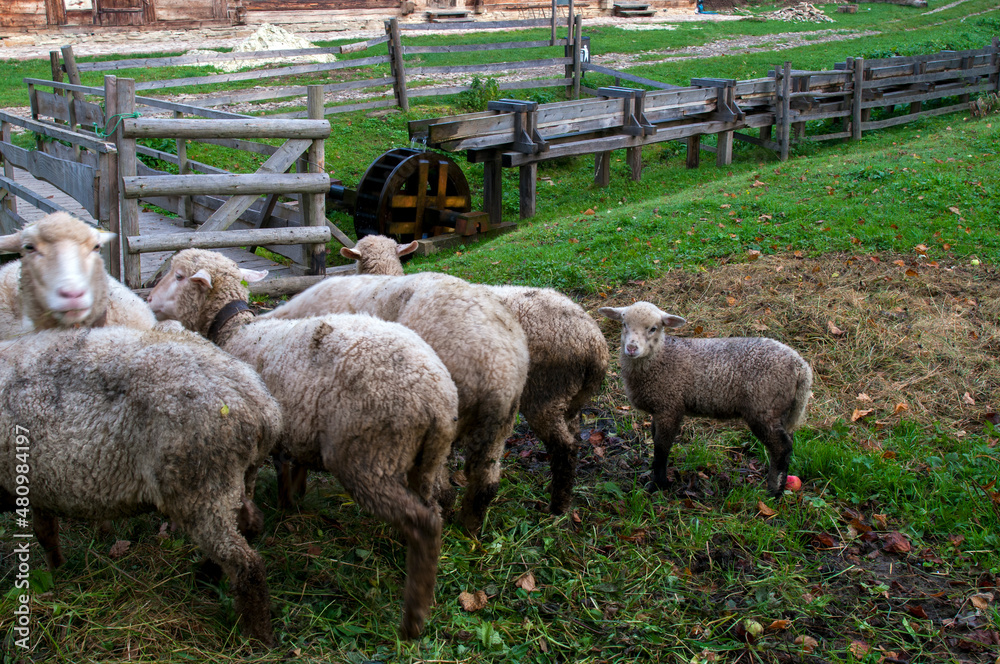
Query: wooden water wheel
410,194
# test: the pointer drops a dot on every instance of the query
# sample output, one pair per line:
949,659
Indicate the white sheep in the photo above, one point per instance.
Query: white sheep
60,281
110,422
475,336
569,358
364,399
760,380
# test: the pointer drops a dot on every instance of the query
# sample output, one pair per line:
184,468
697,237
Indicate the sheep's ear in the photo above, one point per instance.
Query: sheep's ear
614,313
11,243
202,278
252,276
347,252
404,249
103,237
669,320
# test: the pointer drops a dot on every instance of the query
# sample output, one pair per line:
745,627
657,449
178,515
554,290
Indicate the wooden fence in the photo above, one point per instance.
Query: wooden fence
778,107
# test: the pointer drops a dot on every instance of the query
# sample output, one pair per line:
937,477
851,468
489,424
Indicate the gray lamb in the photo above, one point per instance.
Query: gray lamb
111,422
760,380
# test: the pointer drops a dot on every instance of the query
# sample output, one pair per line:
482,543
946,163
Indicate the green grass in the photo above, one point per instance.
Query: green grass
670,577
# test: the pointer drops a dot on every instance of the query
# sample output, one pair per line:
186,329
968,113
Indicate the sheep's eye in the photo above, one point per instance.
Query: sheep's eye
180,277
97,247
30,248
652,330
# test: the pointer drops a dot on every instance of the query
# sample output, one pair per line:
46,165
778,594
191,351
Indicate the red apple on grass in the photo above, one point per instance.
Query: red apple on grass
793,483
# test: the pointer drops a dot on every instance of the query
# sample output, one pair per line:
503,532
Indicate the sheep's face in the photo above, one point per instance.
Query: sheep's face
197,285
377,254
61,266
180,286
643,326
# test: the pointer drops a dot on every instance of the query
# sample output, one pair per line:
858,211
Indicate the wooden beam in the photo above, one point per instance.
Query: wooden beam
396,62
131,269
244,128
142,244
142,186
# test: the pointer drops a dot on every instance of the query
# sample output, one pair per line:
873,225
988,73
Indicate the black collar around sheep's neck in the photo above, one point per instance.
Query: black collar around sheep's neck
223,317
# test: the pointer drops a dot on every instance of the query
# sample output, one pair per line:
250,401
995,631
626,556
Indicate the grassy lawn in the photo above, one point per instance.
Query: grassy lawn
877,261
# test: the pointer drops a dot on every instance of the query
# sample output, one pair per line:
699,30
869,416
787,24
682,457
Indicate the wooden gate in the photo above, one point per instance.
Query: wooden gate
124,12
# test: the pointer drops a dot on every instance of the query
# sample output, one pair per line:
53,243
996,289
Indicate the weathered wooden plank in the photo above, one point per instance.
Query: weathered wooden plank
140,186
508,85
625,76
829,137
930,77
244,128
293,91
478,25
806,116
74,178
40,202
904,97
294,70
342,108
230,238
87,113
205,58
55,131
903,119
465,48
52,105
489,67
907,60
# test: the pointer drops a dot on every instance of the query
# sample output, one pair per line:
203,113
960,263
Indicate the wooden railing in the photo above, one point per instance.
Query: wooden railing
781,104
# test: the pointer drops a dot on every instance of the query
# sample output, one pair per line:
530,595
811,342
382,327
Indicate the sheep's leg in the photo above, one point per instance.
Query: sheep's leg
665,430
213,528
47,531
778,443
550,423
291,479
249,520
386,499
483,449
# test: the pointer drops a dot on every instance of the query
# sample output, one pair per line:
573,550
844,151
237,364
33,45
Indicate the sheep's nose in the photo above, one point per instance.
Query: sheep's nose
631,349
71,293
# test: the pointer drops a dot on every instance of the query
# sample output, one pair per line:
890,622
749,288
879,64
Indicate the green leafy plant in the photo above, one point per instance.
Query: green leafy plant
479,94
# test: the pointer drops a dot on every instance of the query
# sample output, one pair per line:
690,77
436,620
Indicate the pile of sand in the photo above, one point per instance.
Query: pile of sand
267,38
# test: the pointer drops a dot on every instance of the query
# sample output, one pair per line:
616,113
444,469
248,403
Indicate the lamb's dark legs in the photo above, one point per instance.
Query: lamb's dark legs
47,531
779,450
665,430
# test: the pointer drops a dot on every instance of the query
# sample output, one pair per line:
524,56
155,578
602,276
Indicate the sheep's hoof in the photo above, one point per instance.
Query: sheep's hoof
653,487
410,629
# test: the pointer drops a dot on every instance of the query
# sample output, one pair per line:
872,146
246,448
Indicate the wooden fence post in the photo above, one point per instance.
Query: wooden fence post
185,207
859,89
57,76
785,131
995,61
528,189
72,73
493,187
317,164
9,201
131,272
963,64
396,63
693,151
115,200
602,169
577,31
802,86
555,12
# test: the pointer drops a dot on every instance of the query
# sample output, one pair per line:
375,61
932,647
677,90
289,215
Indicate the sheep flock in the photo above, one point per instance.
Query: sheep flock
384,380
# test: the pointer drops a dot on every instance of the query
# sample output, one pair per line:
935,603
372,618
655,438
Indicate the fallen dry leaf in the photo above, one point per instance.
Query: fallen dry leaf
910,272
895,542
900,407
859,648
526,582
808,643
921,249
765,510
967,398
779,624
916,611
588,211
981,600
472,602
954,210
119,548
753,254
858,413
881,519
863,397
730,300
834,330
313,551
